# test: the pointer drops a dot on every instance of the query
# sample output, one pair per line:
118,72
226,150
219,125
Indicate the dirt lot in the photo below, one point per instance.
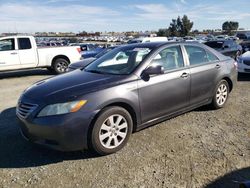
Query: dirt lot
203,148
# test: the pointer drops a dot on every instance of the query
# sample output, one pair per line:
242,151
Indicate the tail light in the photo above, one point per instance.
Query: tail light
78,49
235,65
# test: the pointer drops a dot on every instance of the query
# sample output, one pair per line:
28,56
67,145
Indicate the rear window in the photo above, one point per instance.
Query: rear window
24,43
214,44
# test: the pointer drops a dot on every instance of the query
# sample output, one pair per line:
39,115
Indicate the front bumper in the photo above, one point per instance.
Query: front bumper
62,132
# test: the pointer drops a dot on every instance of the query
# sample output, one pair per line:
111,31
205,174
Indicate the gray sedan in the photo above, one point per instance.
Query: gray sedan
127,89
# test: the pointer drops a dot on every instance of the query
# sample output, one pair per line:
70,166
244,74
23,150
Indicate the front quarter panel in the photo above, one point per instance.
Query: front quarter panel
126,93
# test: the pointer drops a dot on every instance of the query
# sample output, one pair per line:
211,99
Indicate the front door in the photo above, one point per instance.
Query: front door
164,94
9,58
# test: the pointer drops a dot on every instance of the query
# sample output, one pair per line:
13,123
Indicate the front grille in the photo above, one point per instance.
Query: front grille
247,70
25,109
246,62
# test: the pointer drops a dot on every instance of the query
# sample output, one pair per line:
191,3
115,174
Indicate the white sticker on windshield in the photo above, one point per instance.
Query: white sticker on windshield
141,49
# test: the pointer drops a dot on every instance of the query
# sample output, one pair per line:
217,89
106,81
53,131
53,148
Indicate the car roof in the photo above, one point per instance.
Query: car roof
158,44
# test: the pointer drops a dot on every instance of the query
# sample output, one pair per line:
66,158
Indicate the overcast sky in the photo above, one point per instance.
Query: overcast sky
117,15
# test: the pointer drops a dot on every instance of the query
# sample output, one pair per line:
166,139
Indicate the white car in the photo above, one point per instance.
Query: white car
244,63
21,52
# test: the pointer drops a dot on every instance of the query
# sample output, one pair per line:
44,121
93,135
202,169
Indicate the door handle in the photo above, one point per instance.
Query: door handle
13,53
184,75
217,66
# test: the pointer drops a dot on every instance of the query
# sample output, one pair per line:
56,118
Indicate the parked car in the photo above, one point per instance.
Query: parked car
245,46
244,63
90,50
226,47
21,52
100,106
148,39
83,63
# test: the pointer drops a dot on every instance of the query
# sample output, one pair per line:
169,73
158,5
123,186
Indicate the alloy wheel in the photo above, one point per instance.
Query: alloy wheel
113,131
221,94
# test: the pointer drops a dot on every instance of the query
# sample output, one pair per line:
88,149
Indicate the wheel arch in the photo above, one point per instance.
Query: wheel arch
124,105
58,57
230,83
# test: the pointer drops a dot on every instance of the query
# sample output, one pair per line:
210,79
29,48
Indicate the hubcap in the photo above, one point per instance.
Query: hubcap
113,131
61,66
221,94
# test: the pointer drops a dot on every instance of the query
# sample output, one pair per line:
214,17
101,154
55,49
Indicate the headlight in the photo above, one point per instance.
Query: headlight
61,108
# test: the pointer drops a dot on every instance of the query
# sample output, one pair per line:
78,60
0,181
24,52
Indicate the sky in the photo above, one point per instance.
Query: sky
31,16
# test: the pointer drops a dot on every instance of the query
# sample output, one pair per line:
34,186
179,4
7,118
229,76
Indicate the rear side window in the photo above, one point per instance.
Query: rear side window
211,57
24,43
7,44
196,55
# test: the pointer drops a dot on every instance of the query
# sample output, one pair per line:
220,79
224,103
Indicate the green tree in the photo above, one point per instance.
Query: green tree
173,28
180,26
163,33
230,26
186,26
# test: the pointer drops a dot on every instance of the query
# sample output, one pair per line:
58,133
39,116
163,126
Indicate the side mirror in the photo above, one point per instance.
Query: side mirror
154,69
119,57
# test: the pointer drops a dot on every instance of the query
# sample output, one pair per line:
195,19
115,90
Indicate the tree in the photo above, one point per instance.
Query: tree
230,26
186,26
173,28
163,33
180,26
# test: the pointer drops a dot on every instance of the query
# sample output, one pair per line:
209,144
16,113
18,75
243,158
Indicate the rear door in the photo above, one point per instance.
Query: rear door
27,54
204,69
9,58
167,93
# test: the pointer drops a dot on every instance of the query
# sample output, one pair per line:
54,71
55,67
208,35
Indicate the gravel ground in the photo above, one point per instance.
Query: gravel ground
202,148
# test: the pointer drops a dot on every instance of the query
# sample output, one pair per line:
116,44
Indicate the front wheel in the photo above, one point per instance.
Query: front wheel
221,94
60,65
111,130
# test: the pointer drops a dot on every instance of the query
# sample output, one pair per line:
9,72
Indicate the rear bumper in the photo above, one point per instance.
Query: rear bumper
63,132
242,68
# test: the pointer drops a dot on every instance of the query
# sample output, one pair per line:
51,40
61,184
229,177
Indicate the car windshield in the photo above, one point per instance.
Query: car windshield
119,61
100,54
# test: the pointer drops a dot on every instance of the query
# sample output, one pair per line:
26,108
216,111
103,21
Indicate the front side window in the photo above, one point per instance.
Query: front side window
196,55
7,44
119,61
24,43
170,58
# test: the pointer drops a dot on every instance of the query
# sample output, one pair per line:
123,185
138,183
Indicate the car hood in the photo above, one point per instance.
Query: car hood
70,85
83,63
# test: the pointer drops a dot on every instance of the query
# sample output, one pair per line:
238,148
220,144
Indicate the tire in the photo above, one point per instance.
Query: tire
221,95
60,65
111,130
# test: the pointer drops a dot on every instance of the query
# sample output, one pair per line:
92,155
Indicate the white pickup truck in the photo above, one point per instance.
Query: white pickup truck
21,52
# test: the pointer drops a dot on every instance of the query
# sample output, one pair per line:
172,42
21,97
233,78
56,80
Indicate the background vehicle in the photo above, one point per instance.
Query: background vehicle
98,107
90,50
148,39
20,52
226,47
245,46
244,63
83,63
